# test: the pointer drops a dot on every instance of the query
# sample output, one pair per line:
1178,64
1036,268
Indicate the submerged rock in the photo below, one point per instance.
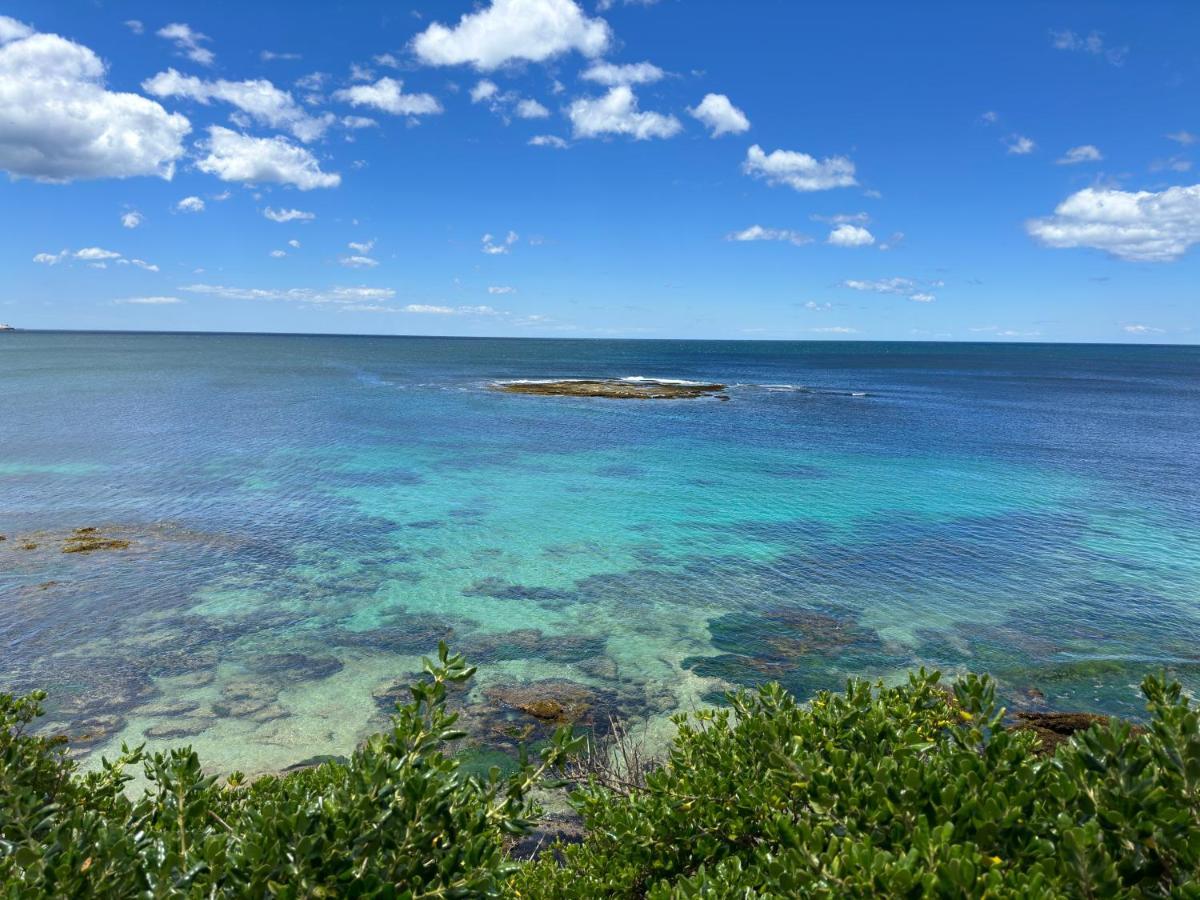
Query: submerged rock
88,540
614,388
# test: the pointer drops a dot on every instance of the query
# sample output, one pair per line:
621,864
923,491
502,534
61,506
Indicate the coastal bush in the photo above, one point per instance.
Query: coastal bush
399,819
905,791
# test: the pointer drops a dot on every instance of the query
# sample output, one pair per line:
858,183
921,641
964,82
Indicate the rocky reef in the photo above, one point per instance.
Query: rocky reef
615,389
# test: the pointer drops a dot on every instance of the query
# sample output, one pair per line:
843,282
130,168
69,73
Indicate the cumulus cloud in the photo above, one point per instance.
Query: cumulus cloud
239,157
187,41
903,287
131,219
361,247
1183,137
484,90
288,215
293,243
492,247
257,98
1139,226
60,123
135,25
1081,154
799,170
190,205
97,257
387,95
513,30
278,254
758,233
617,113
531,109
358,262
612,74
501,289
847,235
334,295
548,140
1019,145
96,253
1142,329
720,115
1092,43
150,301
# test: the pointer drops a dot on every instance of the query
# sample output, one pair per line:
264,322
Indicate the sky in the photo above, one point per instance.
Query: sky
608,168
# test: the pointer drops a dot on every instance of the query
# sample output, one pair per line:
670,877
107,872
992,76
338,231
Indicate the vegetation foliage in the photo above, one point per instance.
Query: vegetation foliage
905,791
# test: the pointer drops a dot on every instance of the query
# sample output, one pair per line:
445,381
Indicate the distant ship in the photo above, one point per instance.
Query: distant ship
4,327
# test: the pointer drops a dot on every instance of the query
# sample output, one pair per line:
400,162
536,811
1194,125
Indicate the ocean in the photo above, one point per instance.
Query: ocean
309,515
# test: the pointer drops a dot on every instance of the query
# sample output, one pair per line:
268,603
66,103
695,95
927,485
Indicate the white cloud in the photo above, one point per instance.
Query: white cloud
1141,226
271,56
1019,145
96,257
617,113
493,248
799,170
484,90
513,30
335,295
427,309
239,157
531,109
1081,154
150,301
1142,329
846,235
991,117
362,247
358,262
758,233
190,205
903,287
60,123
721,116
834,329
1173,164
293,243
858,218
494,289
548,140
1183,137
358,122
1093,43
612,74
278,254
131,219
135,25
258,98
96,253
288,215
187,42
387,94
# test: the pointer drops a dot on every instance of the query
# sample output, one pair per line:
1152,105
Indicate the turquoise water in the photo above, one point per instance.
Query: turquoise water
307,516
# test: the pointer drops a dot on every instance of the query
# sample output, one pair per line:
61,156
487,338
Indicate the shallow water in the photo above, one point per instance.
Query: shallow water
309,515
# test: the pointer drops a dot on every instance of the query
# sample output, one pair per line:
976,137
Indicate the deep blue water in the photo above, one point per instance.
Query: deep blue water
308,515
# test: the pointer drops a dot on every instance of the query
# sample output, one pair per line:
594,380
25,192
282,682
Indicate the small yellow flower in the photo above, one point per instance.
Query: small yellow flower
994,860
966,716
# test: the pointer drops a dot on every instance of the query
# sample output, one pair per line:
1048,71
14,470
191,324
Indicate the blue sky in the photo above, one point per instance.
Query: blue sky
616,168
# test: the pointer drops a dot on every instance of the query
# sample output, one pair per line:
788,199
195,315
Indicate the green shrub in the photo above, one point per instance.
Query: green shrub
398,820
894,792
907,791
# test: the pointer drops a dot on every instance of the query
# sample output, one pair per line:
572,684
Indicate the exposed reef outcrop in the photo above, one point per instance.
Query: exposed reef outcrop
615,388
